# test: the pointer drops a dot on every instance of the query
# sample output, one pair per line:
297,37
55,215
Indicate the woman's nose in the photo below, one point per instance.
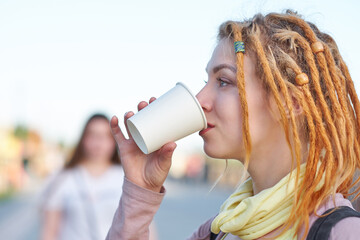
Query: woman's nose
204,99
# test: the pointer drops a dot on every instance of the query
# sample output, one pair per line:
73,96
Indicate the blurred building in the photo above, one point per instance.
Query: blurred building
11,170
26,158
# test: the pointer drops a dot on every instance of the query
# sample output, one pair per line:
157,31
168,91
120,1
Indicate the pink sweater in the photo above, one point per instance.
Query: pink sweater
138,206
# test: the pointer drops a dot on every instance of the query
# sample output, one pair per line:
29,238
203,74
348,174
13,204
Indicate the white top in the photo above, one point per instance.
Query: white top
88,203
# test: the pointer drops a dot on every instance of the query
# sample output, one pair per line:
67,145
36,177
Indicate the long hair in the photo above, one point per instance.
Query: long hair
79,152
296,60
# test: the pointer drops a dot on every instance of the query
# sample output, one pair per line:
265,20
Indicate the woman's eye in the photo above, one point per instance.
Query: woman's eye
222,83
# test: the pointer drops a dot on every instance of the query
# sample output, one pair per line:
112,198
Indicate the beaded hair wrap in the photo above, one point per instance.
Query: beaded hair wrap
239,46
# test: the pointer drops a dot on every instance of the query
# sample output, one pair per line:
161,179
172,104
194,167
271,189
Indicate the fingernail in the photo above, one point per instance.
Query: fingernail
126,114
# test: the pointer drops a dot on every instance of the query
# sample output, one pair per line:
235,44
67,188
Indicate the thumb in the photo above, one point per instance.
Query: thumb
166,152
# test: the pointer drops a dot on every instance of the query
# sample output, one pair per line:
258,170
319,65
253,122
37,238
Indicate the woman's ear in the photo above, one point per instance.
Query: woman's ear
296,106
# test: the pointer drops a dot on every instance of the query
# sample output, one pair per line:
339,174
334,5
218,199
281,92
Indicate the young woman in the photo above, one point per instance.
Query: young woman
280,99
81,201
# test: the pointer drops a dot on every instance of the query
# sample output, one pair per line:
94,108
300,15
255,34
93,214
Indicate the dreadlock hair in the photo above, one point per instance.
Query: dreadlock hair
285,47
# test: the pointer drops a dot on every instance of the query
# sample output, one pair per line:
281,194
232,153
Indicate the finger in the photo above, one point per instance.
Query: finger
166,153
115,130
126,117
141,105
152,99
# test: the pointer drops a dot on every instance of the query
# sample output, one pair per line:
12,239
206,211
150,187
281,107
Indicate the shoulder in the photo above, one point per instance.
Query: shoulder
59,180
346,229
117,168
57,189
115,172
330,203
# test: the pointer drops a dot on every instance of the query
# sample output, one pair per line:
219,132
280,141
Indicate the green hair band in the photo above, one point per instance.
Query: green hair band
239,47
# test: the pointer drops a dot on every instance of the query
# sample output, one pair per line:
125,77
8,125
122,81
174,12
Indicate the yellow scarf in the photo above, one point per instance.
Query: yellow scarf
251,217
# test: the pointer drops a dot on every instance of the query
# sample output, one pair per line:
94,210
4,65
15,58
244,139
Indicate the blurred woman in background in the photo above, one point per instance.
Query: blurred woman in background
80,202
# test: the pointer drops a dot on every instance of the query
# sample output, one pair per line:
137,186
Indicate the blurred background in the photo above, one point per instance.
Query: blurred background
62,60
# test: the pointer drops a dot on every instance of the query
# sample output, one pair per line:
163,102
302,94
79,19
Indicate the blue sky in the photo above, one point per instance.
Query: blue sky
61,60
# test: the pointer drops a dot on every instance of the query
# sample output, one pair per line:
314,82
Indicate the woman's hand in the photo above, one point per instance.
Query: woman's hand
148,171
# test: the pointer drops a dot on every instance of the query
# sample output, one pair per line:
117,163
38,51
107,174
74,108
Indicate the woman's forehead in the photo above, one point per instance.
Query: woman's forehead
223,53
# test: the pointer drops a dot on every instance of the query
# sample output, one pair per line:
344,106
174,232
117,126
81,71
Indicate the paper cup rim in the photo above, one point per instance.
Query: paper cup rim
196,101
138,139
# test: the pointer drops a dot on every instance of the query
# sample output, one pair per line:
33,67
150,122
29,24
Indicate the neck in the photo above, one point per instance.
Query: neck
96,167
268,175
270,164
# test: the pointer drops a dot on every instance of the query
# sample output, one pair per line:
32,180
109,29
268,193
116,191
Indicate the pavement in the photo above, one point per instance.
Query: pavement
19,218
185,207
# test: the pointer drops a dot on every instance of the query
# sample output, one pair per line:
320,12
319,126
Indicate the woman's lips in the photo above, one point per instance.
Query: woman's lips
209,127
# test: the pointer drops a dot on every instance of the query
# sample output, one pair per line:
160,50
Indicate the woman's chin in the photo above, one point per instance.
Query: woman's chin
217,152
213,152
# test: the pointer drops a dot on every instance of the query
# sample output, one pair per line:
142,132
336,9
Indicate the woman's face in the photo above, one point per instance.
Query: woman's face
221,103
98,142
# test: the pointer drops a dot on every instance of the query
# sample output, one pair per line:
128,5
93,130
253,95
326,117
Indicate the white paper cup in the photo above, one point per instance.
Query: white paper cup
174,115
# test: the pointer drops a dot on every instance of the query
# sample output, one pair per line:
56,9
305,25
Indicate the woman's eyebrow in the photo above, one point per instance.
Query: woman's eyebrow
222,66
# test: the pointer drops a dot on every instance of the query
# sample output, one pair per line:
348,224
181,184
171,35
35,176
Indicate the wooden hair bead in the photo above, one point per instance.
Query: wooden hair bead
301,79
317,47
